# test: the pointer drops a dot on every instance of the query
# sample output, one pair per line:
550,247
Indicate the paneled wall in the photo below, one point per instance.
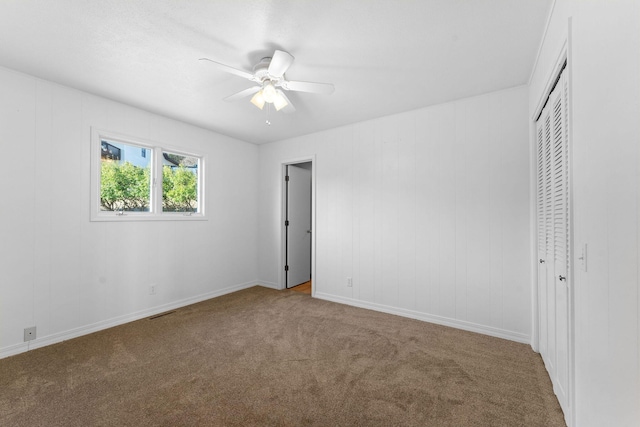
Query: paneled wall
604,67
427,210
68,276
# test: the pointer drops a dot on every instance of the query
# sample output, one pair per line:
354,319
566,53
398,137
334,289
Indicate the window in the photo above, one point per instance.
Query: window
133,179
125,178
179,183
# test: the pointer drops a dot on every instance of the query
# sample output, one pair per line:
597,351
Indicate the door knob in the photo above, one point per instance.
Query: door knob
562,278
309,231
541,261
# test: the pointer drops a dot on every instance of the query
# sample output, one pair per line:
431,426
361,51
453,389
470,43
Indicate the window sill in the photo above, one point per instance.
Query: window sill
142,217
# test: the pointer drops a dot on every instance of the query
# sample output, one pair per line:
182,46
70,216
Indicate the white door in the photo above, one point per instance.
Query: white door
553,220
298,225
561,238
542,214
549,280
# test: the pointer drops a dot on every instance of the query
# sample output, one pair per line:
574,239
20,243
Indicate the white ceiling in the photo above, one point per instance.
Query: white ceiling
383,56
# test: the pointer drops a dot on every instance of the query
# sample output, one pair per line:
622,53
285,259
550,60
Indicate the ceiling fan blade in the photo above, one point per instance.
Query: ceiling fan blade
289,108
311,87
229,69
243,94
280,63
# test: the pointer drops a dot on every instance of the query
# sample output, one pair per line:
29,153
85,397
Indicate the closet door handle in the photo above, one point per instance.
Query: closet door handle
562,278
541,261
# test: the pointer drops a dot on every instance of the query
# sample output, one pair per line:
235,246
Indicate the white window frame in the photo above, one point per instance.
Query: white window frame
155,204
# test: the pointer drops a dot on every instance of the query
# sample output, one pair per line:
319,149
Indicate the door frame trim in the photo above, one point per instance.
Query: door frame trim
283,206
564,55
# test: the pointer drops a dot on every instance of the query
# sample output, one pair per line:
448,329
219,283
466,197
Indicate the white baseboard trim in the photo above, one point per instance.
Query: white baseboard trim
270,285
110,323
14,349
431,318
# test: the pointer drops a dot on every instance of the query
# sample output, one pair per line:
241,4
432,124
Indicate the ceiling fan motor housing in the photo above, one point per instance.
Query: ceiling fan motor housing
261,69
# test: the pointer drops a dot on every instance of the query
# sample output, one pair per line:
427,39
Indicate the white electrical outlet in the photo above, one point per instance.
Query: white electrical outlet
30,333
349,282
152,289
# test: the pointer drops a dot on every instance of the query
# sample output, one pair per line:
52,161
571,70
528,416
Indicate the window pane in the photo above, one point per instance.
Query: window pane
125,177
179,183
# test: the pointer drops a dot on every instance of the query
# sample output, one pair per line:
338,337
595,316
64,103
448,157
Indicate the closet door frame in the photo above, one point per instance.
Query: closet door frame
564,57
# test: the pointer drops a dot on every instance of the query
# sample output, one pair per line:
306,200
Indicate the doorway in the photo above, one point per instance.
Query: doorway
554,239
298,230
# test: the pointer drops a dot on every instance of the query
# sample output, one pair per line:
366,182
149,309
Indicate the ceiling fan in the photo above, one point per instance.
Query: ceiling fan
270,79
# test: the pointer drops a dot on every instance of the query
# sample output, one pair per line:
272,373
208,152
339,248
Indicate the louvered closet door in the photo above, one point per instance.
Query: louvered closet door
549,282
553,238
561,237
541,214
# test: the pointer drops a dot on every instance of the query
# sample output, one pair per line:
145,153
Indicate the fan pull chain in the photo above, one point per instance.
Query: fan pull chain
267,120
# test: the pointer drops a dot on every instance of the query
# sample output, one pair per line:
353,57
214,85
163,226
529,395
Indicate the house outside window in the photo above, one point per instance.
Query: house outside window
109,152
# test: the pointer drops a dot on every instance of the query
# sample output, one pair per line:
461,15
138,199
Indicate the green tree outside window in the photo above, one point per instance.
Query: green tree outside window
124,187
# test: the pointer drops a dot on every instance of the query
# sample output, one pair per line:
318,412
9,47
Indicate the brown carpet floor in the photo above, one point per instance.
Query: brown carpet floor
261,357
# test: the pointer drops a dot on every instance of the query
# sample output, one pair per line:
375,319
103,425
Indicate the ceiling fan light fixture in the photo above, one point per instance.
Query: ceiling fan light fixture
269,92
269,77
279,102
258,100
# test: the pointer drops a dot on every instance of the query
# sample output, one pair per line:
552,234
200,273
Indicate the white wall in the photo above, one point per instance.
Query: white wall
428,211
67,275
604,59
